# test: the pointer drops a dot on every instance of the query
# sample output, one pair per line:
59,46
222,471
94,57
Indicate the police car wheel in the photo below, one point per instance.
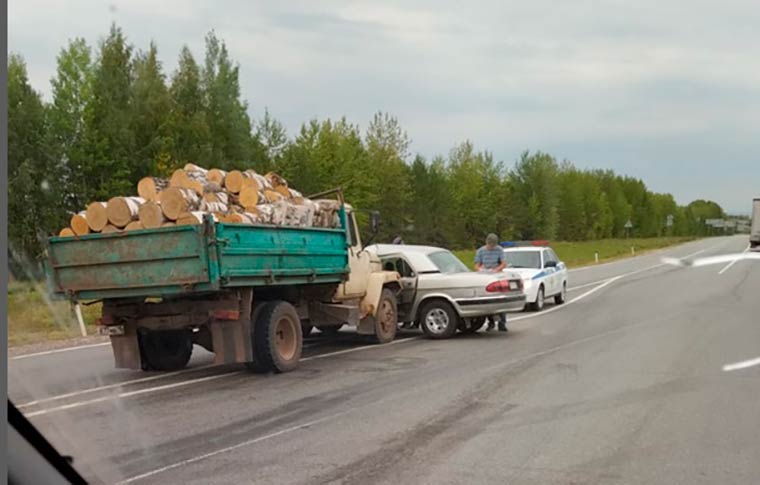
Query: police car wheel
538,305
560,297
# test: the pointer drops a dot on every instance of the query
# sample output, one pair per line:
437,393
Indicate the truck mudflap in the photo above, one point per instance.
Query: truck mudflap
232,340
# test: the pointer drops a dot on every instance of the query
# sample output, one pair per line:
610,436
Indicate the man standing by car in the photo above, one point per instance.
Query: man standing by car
490,258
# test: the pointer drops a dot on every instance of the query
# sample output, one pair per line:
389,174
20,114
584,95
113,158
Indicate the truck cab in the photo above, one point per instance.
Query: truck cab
358,300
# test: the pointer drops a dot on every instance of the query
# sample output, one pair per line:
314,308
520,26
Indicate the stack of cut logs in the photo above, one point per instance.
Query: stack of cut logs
243,197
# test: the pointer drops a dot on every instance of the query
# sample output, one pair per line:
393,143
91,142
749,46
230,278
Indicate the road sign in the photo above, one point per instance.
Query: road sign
669,220
628,225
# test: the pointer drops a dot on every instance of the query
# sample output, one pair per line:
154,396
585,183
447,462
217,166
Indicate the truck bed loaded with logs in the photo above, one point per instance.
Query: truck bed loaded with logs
241,291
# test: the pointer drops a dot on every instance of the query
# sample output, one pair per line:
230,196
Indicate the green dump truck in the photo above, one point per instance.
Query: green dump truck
244,292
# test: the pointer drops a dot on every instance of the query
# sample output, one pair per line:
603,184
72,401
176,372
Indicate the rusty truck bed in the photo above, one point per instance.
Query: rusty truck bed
193,259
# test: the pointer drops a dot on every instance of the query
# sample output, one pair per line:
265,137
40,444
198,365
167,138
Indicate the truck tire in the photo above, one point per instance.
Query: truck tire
438,319
330,330
254,365
278,341
386,322
166,349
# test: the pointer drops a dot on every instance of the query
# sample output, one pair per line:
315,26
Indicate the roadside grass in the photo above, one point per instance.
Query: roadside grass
33,317
581,253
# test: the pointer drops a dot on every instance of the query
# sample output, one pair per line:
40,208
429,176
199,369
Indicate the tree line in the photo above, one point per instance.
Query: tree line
116,116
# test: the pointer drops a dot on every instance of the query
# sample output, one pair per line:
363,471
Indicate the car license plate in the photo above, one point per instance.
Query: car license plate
513,285
111,330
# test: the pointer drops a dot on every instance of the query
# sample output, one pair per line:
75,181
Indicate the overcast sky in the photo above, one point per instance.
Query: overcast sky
667,91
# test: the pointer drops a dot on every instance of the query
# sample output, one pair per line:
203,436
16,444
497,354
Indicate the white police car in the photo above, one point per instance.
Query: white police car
543,274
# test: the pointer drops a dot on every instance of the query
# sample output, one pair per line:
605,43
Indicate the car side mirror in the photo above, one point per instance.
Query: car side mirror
550,264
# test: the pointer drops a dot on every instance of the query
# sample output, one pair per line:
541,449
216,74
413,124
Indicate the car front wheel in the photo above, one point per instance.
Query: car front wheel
538,305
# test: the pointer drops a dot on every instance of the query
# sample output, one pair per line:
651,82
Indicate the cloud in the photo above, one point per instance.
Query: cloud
665,91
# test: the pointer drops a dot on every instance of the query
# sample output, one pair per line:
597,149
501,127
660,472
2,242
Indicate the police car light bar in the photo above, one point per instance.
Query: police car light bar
522,244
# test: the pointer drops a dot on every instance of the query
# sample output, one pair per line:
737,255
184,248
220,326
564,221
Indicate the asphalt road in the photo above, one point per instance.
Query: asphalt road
625,383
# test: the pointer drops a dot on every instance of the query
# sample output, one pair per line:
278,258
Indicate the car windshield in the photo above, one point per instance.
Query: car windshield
523,259
446,262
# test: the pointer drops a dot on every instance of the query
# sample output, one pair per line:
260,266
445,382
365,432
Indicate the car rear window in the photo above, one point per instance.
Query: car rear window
523,259
446,262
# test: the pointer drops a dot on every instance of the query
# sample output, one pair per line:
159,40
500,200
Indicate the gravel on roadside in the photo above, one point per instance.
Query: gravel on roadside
55,345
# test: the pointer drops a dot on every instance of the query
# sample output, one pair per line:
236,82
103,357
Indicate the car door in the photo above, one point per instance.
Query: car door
408,282
551,273
561,272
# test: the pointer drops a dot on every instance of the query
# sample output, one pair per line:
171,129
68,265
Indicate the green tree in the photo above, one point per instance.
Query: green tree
67,131
226,114
571,205
191,137
387,147
534,182
475,180
430,204
33,212
269,142
110,169
150,105
327,155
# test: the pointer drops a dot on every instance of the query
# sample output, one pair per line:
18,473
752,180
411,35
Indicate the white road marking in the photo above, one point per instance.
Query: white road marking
741,365
160,376
234,447
627,259
580,287
147,390
55,351
570,302
356,349
131,393
109,386
732,262
597,288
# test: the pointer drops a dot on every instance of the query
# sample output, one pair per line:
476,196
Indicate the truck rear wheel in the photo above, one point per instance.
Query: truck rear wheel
386,322
166,349
278,340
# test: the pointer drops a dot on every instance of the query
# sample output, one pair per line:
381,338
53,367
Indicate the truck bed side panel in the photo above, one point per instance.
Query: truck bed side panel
269,255
160,261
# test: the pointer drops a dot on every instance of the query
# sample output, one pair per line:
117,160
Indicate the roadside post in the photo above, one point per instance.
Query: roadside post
628,226
596,256
80,319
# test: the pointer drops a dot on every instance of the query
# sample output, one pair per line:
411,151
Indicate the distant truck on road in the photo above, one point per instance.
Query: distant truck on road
243,292
754,230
